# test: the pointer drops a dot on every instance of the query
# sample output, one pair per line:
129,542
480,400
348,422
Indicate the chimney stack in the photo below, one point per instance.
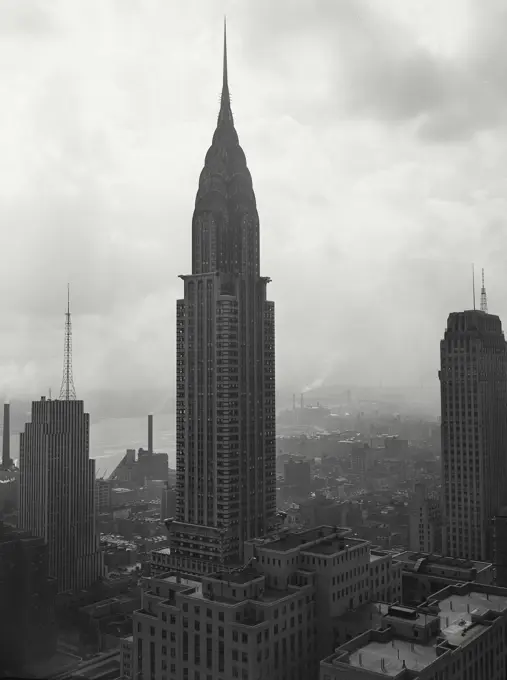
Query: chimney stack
150,434
6,449
302,401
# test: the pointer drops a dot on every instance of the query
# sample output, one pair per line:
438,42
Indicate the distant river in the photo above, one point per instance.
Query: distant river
110,438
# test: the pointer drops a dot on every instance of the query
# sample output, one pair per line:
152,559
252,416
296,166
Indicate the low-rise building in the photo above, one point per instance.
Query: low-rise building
278,615
459,634
424,574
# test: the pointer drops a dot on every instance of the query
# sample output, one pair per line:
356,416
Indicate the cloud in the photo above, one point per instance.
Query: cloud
444,69
377,145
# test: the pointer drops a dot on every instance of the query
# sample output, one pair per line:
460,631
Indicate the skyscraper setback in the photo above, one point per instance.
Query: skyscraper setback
225,368
473,379
57,483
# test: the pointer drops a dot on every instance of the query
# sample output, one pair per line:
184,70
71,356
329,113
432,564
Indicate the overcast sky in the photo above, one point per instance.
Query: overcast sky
375,133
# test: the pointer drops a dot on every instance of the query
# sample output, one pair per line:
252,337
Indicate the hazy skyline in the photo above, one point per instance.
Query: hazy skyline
376,138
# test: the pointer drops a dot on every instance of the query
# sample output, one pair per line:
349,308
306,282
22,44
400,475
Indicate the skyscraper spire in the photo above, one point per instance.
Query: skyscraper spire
225,113
484,298
67,390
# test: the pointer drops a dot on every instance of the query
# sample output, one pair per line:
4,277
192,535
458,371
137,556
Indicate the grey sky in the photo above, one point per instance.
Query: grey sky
375,133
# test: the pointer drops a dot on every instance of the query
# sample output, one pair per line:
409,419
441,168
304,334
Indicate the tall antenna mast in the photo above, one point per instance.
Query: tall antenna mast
484,297
473,283
67,390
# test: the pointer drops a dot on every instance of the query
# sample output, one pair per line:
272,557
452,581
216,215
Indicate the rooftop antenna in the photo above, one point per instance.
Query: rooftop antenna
473,283
67,390
484,297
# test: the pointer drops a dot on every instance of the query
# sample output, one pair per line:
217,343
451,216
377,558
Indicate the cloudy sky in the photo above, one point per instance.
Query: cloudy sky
376,136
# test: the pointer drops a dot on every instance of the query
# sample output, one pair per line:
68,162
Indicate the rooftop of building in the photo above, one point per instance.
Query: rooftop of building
459,610
389,658
290,540
454,607
378,555
239,577
412,559
162,551
331,546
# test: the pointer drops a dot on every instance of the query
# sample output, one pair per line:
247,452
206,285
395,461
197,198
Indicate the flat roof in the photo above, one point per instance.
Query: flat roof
162,551
269,595
456,613
290,540
240,577
411,557
179,581
334,545
374,557
387,658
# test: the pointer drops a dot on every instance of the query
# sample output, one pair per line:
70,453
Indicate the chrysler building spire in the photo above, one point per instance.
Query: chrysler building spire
225,113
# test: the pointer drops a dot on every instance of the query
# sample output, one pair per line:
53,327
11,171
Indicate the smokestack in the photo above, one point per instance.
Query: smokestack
6,448
293,402
302,401
150,433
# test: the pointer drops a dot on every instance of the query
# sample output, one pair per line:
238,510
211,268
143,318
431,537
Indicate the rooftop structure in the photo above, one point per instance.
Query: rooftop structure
424,574
454,635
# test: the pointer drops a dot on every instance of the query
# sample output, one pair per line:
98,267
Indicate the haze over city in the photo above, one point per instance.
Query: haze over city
375,136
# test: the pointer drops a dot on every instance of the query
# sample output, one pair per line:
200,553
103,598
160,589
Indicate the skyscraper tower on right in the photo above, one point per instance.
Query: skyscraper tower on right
225,384
473,383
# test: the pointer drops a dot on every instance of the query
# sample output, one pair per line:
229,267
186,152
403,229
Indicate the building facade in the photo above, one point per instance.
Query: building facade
274,618
103,489
473,380
57,490
425,521
27,594
225,377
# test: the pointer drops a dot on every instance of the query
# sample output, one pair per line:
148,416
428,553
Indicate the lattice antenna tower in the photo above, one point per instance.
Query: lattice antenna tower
67,390
484,297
